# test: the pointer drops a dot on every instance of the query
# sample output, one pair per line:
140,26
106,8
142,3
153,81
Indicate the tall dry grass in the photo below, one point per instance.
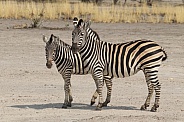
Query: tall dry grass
166,13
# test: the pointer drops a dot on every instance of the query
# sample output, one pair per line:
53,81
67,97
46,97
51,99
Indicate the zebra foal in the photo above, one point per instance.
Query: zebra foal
67,63
118,60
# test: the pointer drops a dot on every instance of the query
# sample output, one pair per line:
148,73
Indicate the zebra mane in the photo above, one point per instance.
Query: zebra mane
98,37
62,43
111,42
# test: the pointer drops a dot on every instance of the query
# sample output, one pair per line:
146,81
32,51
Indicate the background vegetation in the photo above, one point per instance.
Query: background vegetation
59,9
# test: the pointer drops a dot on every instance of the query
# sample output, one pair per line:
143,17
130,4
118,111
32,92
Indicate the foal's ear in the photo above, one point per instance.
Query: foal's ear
44,38
87,24
75,21
80,23
52,37
57,37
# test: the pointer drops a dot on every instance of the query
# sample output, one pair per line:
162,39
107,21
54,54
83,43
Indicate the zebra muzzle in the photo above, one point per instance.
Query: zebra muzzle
49,64
75,48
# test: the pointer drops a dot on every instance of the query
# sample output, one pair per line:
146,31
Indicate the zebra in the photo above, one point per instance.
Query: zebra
119,60
67,63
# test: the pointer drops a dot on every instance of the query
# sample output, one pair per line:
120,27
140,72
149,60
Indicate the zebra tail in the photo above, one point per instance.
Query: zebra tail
165,55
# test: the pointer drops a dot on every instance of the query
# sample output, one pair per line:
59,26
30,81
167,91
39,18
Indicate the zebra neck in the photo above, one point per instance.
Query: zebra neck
63,44
93,50
77,64
63,53
65,59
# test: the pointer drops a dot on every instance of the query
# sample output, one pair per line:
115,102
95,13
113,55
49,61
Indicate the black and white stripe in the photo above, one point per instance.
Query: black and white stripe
119,60
67,63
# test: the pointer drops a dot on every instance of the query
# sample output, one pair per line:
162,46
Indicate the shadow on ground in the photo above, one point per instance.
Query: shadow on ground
74,106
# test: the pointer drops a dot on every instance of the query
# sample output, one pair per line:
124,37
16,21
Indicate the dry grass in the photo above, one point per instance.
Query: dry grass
131,14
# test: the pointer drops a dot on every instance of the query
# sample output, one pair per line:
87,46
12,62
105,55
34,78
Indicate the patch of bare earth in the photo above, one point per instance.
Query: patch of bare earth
30,92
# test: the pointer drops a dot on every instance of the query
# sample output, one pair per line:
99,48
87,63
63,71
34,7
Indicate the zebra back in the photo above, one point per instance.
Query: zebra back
119,60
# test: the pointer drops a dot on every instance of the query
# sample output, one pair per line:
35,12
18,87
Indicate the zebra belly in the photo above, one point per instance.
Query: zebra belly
120,67
80,73
120,75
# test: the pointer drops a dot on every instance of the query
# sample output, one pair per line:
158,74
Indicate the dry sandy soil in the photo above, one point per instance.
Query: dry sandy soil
30,92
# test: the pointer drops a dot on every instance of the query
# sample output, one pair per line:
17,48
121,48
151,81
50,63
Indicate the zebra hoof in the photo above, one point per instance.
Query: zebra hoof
92,103
64,106
98,108
154,108
104,104
143,107
69,105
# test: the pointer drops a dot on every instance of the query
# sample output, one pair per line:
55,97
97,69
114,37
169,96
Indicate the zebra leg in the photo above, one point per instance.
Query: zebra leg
153,79
150,92
100,87
95,95
67,85
109,89
66,88
108,82
157,88
98,77
70,97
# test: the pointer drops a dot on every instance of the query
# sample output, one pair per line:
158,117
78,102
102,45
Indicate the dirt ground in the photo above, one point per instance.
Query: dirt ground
29,92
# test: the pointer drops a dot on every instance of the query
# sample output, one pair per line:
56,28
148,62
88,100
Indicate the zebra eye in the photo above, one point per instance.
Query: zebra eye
73,34
82,34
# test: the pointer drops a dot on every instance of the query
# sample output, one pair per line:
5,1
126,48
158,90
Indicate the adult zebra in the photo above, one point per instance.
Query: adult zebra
118,60
68,63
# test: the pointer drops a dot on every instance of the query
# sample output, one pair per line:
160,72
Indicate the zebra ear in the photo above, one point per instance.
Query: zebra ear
51,38
58,39
87,24
75,21
80,23
44,38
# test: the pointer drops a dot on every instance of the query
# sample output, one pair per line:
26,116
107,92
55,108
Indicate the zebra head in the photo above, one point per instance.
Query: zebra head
79,35
50,49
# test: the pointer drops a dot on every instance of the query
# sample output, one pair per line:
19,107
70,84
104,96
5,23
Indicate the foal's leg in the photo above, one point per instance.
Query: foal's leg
67,85
70,97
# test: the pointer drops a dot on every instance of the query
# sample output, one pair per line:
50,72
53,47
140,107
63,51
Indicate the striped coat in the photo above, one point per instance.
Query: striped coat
118,60
67,63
